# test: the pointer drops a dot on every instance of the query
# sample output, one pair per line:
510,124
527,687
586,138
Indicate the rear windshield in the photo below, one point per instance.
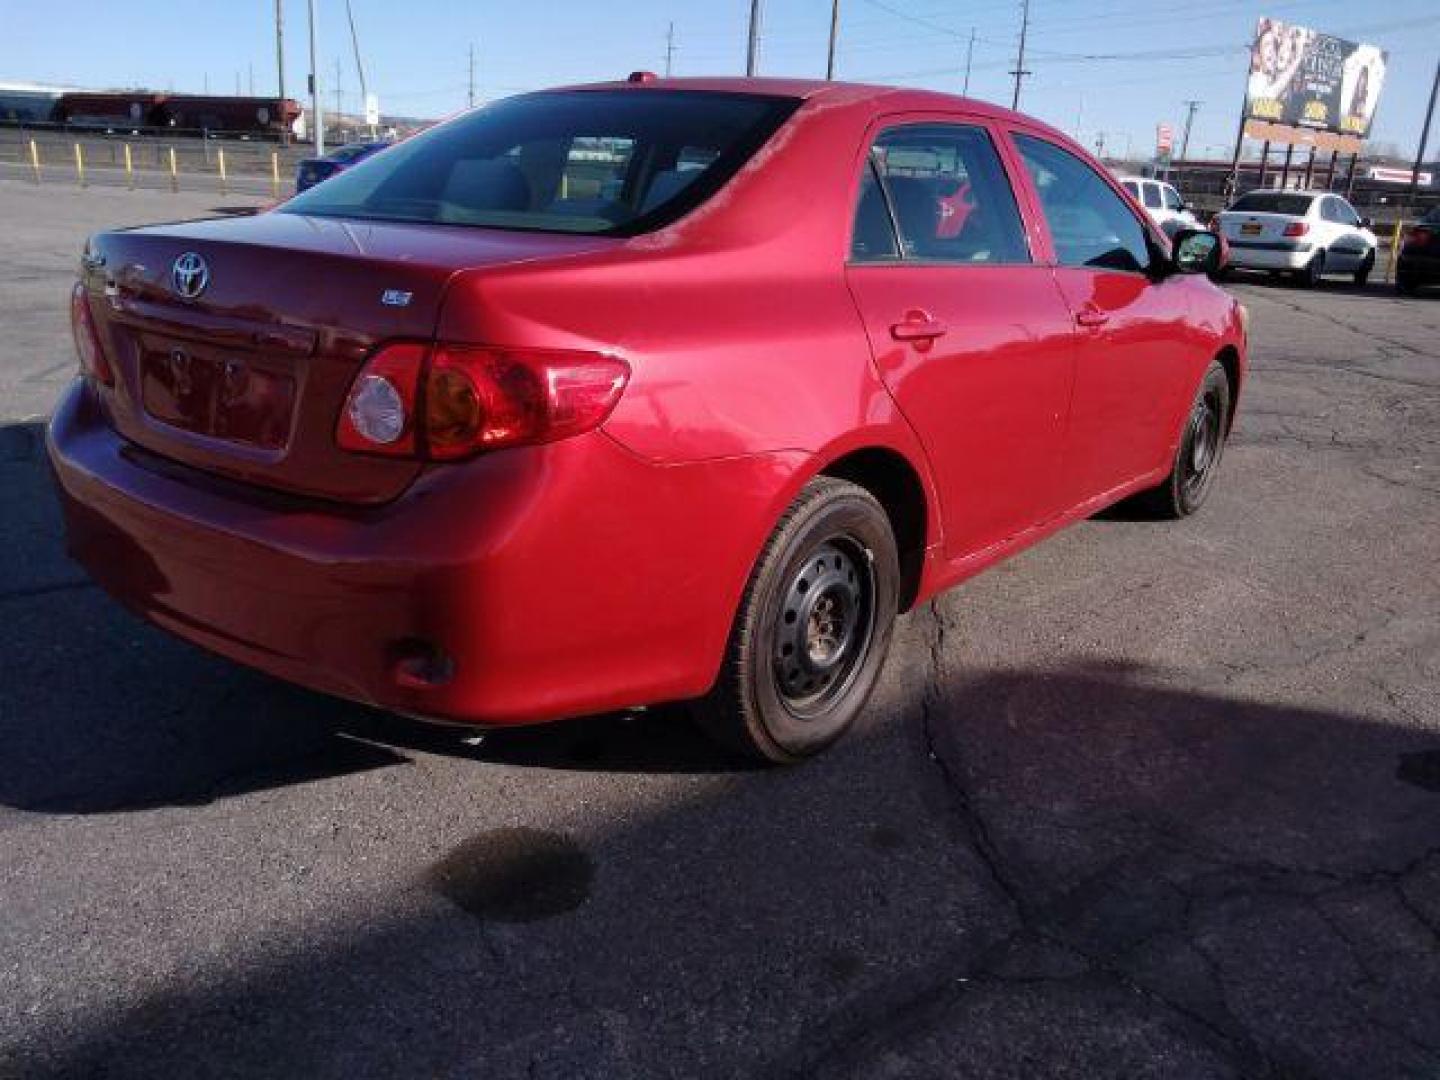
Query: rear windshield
1274,202
612,162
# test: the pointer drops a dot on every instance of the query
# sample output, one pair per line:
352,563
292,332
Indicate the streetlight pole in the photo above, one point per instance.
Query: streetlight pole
969,55
1189,119
317,110
834,35
752,52
280,68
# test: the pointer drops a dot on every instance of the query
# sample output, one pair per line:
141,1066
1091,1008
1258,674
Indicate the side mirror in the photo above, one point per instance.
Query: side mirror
1366,223
1194,251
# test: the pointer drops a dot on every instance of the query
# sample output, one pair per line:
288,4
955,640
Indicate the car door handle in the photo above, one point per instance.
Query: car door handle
918,326
1092,316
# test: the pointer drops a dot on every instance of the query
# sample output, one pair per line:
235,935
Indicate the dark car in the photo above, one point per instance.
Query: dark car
1420,256
313,170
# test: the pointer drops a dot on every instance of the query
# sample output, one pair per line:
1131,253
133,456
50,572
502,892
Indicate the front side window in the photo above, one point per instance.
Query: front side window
1172,198
948,194
610,162
1090,225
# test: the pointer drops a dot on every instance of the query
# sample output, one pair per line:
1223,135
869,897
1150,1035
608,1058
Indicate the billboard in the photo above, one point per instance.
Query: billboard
1307,79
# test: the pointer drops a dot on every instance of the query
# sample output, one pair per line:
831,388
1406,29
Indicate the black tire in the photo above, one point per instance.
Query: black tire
1406,285
1314,270
1362,272
804,654
1197,458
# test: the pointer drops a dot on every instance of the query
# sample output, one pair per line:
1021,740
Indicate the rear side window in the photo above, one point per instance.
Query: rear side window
947,193
1273,202
611,162
1090,225
1152,196
1132,187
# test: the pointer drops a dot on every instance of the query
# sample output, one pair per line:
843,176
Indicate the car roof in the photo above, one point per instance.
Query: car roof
894,98
1290,191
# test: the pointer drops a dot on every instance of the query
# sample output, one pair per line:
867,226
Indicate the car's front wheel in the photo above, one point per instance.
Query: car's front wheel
1363,271
1202,442
813,627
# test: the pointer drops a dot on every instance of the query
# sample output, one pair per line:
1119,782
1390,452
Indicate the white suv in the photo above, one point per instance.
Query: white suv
1307,233
1162,202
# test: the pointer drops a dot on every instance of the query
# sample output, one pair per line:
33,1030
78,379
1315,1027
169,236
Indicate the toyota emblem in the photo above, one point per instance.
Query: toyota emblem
189,275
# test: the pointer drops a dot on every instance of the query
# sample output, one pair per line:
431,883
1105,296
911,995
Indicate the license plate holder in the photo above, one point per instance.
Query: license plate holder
221,396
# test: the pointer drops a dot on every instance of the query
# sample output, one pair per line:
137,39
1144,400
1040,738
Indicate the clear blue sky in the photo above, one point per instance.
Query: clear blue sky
416,50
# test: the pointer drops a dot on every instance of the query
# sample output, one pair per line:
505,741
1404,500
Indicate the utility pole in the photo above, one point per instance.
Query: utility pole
359,65
752,52
1190,107
250,77
338,106
317,110
1424,138
280,67
669,49
1020,71
969,56
834,37
471,97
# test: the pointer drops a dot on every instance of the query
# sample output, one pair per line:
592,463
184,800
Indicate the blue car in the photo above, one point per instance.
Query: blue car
313,170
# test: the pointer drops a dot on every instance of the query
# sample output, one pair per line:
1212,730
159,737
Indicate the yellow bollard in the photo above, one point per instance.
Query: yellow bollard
35,159
129,169
174,172
224,181
79,165
275,173
1394,251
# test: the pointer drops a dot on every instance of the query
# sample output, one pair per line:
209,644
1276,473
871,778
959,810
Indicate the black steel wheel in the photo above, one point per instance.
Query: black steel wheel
813,627
1366,267
1197,458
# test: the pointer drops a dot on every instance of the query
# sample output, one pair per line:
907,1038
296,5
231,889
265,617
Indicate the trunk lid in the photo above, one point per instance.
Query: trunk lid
246,377
1244,226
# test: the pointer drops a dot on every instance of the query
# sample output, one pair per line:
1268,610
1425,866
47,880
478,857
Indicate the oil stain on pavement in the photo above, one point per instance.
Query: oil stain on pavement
515,875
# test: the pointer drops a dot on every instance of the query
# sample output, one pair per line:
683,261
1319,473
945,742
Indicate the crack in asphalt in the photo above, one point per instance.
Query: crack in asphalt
1057,921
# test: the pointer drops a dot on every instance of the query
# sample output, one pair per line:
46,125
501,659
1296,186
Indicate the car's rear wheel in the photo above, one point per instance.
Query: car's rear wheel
812,629
1367,264
1314,270
1202,442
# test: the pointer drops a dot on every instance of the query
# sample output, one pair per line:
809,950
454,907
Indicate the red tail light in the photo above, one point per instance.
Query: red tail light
1417,238
451,401
93,362
1297,228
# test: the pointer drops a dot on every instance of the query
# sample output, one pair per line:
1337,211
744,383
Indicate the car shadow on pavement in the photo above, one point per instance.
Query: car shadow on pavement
1078,865
103,713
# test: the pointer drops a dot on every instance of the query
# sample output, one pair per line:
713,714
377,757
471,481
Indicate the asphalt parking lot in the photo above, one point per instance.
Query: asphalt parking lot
1150,800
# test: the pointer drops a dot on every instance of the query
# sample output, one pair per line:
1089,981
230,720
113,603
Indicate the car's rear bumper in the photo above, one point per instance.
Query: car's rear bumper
521,586
1269,254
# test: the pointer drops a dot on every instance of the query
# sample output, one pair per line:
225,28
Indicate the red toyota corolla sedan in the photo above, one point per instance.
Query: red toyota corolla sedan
636,392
